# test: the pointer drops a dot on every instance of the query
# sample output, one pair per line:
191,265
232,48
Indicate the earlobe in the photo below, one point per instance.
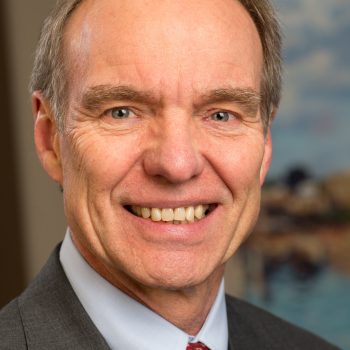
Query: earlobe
265,165
46,137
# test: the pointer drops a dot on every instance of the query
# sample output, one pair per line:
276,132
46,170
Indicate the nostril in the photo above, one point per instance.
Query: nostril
174,159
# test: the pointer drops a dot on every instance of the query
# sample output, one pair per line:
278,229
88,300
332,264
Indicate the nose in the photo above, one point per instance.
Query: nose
174,154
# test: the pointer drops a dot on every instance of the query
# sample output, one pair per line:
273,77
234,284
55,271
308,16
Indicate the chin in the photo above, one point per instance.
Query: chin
179,276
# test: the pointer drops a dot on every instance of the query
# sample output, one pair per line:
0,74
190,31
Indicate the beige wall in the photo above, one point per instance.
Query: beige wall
42,217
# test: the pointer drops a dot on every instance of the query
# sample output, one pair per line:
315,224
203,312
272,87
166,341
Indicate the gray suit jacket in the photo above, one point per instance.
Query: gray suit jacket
49,316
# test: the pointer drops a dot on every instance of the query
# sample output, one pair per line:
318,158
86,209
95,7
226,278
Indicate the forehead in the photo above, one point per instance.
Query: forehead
189,12
107,39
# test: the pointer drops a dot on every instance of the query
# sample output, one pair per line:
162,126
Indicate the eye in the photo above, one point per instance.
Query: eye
222,116
120,113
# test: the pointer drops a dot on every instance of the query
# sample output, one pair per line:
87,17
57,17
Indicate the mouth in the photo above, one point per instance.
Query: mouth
176,216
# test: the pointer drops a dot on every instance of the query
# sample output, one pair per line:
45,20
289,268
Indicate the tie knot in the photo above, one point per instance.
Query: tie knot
196,346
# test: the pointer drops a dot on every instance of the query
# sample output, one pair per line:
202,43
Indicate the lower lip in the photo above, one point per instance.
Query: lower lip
160,230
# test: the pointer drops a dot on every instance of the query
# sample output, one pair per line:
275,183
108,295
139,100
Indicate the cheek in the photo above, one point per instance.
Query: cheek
240,167
98,161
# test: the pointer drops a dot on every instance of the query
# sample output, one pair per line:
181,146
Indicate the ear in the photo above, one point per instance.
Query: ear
46,137
265,165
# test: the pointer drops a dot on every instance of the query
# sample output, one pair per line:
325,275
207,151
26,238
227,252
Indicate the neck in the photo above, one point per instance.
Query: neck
190,306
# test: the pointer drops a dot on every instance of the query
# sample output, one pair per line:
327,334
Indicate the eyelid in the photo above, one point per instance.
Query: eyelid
109,110
236,115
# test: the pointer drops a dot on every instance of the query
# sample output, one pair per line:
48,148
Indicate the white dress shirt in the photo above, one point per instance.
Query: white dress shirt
126,324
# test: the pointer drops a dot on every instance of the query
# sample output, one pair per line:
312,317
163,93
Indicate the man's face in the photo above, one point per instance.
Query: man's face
162,113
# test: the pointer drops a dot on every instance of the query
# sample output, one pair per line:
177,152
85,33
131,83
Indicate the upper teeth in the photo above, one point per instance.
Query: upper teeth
176,215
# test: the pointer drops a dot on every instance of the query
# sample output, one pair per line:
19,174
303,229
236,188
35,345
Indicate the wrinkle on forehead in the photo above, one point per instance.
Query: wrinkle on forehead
183,24
181,40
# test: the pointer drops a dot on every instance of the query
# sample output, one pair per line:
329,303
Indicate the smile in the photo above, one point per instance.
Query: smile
181,215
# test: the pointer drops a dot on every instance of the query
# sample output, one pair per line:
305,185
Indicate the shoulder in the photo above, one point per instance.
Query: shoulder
44,312
11,328
21,315
259,329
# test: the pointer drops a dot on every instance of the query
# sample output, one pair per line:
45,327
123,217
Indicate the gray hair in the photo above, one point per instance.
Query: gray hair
49,76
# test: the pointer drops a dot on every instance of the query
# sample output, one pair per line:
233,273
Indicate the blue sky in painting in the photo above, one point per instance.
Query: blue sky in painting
313,124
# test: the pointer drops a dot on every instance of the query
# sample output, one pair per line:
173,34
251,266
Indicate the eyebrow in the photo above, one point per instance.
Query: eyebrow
98,95
247,98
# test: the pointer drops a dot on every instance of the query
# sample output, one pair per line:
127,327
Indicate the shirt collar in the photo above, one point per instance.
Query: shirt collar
125,323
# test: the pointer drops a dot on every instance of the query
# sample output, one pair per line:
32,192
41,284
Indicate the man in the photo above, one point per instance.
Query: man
154,118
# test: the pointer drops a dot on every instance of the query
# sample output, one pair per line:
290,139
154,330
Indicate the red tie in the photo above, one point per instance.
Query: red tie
196,346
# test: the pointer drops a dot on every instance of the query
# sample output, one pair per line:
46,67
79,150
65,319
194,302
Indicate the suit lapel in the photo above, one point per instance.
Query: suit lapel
52,315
